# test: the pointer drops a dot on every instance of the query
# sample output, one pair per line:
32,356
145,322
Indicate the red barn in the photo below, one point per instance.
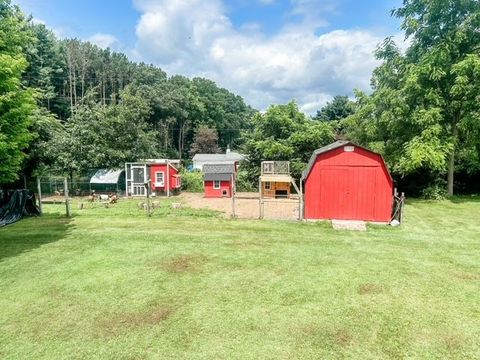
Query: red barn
345,181
218,179
163,174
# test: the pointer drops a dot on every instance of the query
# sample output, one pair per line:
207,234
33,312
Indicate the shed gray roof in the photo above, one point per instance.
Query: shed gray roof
219,168
220,177
106,176
231,156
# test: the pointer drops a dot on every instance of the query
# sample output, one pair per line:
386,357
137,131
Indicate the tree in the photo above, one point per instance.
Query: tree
339,108
99,136
426,101
284,133
16,101
45,69
206,141
224,111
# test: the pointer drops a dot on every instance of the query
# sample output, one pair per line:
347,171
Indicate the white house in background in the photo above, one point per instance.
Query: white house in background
200,159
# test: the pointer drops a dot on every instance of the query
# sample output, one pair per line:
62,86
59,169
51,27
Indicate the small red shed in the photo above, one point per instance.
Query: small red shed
164,176
218,179
345,181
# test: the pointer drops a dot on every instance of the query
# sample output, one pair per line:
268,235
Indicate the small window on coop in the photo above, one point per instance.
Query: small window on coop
216,184
349,148
267,185
159,178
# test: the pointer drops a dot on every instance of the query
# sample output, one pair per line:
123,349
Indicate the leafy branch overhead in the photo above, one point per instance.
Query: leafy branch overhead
423,114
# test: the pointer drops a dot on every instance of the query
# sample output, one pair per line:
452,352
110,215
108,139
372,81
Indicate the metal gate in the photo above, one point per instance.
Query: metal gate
280,209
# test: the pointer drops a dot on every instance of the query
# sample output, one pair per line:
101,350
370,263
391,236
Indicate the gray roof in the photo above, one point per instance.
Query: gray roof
219,168
106,176
231,156
322,150
220,177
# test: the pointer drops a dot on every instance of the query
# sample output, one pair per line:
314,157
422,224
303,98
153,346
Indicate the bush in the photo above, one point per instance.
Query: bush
436,191
244,184
192,181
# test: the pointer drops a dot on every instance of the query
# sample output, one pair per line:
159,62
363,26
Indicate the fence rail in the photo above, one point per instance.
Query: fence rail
55,186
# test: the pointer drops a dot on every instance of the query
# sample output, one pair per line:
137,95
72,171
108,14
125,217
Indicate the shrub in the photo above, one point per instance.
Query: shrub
244,184
436,191
192,181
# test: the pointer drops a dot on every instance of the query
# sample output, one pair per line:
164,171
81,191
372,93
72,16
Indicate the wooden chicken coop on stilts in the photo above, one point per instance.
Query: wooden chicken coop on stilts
275,182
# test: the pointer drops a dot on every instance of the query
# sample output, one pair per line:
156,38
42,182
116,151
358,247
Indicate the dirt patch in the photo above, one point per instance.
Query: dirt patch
184,263
310,329
130,320
453,342
367,289
247,206
342,337
467,276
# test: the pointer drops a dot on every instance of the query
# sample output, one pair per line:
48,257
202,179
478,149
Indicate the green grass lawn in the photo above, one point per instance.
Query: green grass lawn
185,284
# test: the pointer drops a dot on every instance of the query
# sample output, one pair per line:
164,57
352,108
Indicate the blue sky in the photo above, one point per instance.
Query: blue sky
268,51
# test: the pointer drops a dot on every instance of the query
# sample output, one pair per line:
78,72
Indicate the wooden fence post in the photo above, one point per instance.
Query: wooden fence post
260,199
149,182
234,215
402,200
166,181
67,201
39,189
300,211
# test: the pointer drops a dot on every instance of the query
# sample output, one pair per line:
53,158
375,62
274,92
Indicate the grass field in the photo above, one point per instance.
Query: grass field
186,284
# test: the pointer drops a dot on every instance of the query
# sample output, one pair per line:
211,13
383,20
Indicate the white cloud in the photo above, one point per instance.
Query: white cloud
59,32
196,38
104,40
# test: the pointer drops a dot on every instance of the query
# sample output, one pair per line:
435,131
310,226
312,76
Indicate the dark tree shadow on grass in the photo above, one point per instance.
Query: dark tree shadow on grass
458,199
465,199
31,233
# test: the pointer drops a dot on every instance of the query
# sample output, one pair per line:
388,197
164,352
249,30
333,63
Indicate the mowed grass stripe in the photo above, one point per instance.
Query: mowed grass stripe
115,284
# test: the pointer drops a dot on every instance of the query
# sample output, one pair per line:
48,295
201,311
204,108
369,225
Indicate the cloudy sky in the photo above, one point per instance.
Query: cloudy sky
268,51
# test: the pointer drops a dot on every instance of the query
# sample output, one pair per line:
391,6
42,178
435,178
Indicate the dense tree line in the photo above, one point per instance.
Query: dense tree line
424,112
67,106
75,96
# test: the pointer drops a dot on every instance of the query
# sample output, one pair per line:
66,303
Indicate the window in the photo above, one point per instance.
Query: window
179,181
267,185
159,178
349,148
216,184
268,167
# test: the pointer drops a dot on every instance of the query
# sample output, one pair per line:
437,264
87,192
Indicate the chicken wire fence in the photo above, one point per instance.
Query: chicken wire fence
250,207
51,186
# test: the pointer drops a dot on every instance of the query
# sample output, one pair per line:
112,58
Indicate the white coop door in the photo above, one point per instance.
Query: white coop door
139,178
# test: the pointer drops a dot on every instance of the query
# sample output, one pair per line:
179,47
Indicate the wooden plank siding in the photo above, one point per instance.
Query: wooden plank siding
349,185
